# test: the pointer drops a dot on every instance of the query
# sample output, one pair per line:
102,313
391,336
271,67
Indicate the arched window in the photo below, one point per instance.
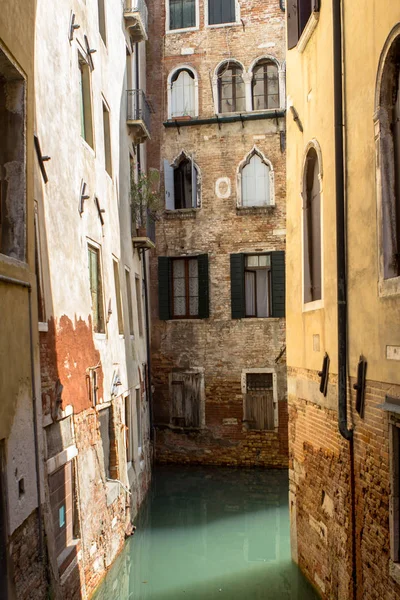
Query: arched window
231,88
387,130
183,93
312,243
181,183
265,85
256,182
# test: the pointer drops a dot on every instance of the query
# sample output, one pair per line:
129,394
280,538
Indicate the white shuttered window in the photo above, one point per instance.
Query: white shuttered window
255,183
183,94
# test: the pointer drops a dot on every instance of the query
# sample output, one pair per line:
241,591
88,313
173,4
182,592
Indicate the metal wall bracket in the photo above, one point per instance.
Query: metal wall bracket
360,385
324,374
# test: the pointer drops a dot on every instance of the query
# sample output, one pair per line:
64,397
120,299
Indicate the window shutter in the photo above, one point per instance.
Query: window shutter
204,301
237,286
292,23
164,279
212,5
278,283
169,186
194,184
228,11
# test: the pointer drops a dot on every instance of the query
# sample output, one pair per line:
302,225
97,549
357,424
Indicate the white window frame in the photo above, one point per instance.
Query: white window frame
196,89
245,161
97,246
183,30
316,304
390,286
215,90
281,84
274,391
167,165
234,23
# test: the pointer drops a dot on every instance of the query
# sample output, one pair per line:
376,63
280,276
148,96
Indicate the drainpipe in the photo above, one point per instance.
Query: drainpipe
282,6
146,312
347,434
28,286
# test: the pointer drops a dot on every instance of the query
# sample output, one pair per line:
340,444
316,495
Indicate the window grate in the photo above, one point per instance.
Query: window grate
259,382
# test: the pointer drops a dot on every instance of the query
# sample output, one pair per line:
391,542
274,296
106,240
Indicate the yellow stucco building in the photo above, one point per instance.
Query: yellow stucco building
343,293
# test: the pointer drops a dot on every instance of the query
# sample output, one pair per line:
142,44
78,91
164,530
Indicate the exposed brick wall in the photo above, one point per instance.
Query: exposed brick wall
28,568
320,480
222,346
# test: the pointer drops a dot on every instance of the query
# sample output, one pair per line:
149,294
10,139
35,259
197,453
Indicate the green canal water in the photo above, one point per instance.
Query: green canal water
206,534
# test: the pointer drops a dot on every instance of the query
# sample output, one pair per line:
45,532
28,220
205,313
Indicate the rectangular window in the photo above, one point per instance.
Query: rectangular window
221,11
298,14
129,294
185,392
39,271
117,286
12,160
102,19
394,514
182,14
258,285
312,239
96,289
139,420
183,287
259,405
181,183
61,489
104,419
139,304
3,523
128,429
107,140
85,102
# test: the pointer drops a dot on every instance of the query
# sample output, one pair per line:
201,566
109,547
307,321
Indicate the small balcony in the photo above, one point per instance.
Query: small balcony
138,115
135,15
144,232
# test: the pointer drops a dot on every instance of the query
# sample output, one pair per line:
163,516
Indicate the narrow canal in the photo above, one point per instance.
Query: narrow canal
210,533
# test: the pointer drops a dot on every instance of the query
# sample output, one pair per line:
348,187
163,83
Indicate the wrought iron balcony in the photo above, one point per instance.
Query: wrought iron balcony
144,231
138,115
135,14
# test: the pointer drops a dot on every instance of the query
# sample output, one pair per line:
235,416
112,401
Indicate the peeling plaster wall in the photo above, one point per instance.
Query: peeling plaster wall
70,349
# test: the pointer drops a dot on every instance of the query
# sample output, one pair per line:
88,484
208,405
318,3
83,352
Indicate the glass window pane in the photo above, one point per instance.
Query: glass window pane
179,307
252,261
179,287
262,293
264,260
179,268
250,293
194,306
193,268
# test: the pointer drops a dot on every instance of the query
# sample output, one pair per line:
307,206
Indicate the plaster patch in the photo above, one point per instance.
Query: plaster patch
316,342
267,45
186,51
393,352
279,232
223,187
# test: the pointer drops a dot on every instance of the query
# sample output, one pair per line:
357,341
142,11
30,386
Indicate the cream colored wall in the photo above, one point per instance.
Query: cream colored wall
17,20
310,91
373,322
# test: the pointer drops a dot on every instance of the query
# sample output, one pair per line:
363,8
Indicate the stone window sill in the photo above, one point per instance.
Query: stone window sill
254,210
308,31
310,306
181,213
394,570
389,287
67,555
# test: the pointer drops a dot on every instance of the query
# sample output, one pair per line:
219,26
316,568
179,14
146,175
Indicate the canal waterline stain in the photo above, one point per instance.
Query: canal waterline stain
209,533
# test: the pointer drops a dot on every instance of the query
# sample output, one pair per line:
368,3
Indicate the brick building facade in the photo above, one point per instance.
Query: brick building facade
217,83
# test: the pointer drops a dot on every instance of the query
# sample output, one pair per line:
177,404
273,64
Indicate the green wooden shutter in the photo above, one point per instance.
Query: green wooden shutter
278,283
204,301
237,286
164,282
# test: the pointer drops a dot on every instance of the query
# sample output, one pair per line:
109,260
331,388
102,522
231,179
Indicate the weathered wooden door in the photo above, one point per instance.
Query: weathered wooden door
185,399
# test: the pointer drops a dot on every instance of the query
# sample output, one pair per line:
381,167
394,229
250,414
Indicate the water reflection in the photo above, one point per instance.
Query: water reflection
210,533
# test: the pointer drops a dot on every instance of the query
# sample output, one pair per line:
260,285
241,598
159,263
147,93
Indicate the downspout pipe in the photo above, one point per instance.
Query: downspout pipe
146,312
28,286
282,6
340,222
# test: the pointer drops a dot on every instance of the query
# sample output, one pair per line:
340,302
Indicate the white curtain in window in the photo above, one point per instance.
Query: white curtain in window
182,95
255,183
250,293
262,293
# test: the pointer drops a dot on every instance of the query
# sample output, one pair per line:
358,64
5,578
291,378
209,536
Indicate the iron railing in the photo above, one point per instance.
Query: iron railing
138,109
137,6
